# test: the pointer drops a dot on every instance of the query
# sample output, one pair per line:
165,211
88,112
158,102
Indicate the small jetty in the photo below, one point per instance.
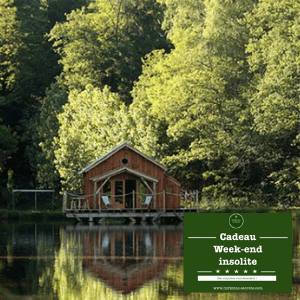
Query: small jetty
126,183
136,215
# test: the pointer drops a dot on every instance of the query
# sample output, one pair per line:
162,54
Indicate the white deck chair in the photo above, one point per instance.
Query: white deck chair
106,201
147,201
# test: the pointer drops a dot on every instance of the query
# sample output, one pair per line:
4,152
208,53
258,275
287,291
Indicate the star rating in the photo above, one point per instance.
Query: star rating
236,271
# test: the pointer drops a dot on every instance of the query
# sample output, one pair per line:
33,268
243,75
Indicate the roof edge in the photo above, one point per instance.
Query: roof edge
113,151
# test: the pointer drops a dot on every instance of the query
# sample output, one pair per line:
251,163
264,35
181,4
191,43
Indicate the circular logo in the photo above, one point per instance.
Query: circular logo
236,221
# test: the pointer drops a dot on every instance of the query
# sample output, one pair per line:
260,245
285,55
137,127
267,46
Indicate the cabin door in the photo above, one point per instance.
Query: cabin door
130,186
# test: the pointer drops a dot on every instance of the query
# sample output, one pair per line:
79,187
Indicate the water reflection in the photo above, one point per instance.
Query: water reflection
127,257
26,260
104,262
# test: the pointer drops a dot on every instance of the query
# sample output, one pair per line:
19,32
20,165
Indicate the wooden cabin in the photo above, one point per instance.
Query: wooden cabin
125,178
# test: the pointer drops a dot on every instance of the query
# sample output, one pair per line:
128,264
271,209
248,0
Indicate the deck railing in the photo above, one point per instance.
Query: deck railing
188,200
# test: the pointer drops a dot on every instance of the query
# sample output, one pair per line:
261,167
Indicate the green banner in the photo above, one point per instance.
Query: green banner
238,252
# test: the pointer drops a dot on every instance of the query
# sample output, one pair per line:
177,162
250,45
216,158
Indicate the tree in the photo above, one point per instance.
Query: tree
9,45
199,91
40,99
274,51
57,9
92,122
44,128
104,43
8,145
35,68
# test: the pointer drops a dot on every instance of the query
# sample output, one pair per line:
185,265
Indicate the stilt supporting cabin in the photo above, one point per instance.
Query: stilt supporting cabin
126,183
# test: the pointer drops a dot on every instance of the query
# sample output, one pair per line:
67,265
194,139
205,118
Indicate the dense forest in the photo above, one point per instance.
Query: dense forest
210,88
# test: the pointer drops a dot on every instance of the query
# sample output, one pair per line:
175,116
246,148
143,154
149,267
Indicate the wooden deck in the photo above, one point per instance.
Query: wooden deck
137,215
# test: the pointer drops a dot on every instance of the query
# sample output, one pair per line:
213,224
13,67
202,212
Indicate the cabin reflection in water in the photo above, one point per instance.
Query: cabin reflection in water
125,258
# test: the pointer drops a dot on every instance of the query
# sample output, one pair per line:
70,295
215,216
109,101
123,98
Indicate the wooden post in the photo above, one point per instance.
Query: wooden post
164,241
197,200
192,194
99,201
154,193
164,199
65,199
155,243
95,194
133,198
35,201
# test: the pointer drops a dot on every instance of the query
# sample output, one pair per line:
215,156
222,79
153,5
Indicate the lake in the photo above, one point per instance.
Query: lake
52,261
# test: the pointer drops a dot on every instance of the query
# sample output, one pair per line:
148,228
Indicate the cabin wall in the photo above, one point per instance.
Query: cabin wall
172,189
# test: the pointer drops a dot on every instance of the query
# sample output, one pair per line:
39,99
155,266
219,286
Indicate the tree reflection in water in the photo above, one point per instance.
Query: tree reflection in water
113,261
124,262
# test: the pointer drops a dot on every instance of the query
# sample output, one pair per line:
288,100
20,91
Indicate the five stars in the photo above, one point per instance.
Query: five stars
236,271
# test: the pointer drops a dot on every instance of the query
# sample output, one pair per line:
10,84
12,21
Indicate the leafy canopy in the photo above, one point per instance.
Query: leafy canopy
93,122
104,43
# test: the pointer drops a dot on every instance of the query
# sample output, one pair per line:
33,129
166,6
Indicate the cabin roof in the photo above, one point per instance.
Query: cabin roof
115,150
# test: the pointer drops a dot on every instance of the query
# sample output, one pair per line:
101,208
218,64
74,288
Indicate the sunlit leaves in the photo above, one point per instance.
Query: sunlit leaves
104,43
10,44
198,90
93,122
274,50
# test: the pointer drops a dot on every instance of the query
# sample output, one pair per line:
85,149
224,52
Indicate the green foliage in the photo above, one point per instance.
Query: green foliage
198,90
57,9
9,44
28,66
220,107
44,127
8,144
104,43
93,122
274,50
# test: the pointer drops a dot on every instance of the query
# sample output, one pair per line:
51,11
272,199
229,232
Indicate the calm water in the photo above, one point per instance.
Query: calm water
103,262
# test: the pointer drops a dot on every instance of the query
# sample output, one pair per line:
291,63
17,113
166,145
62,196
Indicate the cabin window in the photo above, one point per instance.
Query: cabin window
169,189
124,161
119,191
